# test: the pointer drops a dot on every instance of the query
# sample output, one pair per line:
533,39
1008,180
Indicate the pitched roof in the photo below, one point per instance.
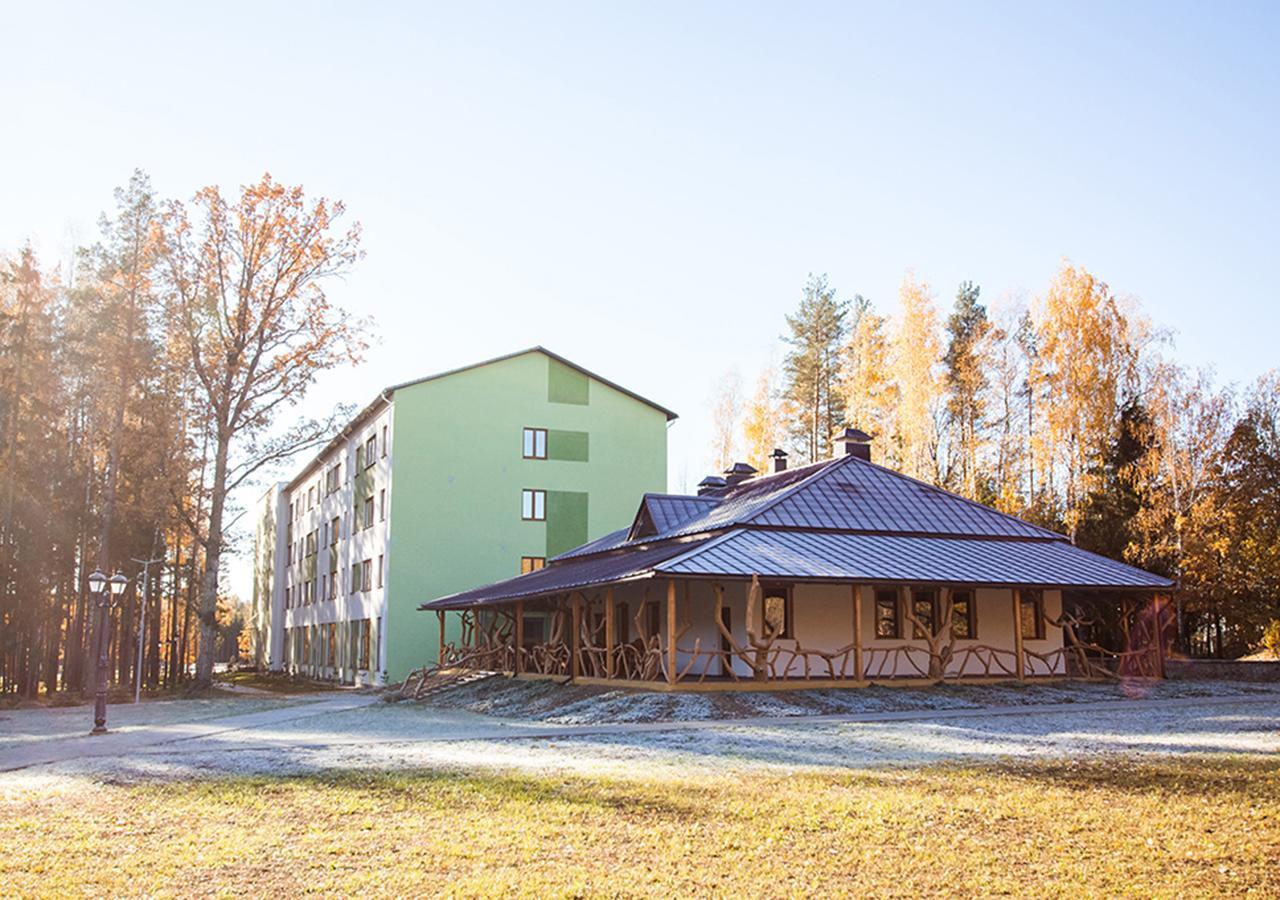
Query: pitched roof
845,519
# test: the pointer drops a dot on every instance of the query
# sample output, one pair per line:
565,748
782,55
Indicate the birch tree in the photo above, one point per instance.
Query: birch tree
915,365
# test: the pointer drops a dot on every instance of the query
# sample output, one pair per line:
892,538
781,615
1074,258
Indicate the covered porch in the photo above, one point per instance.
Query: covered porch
702,633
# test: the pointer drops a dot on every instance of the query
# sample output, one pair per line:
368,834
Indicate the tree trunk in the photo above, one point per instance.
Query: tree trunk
212,559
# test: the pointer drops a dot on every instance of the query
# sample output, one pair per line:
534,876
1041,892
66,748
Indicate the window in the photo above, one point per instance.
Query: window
335,529
288,598
924,604
535,443
887,622
333,583
384,441
531,564
371,450
332,659
777,615
964,624
331,480
368,512
382,505
535,630
311,497
366,633
355,578
366,575
290,553
311,543
359,457
380,570
1031,608
533,505
652,618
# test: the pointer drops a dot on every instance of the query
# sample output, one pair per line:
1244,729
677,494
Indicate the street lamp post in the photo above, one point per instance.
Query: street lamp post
106,593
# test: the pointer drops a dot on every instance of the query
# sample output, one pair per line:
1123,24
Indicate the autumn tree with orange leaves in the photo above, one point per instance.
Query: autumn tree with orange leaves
245,296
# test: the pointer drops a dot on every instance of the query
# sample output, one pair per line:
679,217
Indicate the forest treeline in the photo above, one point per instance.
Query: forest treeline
138,389
1070,409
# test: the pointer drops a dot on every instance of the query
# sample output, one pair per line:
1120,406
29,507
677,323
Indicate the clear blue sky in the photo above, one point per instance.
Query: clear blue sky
644,189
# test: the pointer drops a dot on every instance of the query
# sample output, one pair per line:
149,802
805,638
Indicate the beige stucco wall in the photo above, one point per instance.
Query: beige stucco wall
823,620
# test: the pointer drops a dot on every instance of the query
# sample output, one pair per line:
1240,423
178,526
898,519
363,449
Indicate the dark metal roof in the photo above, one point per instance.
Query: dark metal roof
610,541
569,575
815,556
660,513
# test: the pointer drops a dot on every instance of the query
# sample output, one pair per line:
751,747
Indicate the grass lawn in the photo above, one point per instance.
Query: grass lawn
1185,826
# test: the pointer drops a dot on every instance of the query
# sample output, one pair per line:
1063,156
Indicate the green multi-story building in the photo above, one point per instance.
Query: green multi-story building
442,484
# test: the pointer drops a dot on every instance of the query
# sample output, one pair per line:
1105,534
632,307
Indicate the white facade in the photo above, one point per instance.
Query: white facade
334,551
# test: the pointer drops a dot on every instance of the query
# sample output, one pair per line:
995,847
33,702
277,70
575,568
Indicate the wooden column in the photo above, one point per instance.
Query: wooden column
519,658
1019,662
671,631
1158,625
857,632
576,640
608,632
440,658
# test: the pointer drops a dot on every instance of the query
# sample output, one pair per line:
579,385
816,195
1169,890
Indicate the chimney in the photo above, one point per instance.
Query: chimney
779,457
738,473
710,485
853,442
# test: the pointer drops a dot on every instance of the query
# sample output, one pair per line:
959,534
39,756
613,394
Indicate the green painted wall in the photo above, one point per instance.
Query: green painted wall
457,474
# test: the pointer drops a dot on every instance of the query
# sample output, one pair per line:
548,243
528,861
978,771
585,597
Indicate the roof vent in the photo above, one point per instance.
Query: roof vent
853,442
779,457
711,484
738,473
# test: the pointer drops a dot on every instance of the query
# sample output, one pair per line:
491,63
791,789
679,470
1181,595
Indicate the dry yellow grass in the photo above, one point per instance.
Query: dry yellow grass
1177,827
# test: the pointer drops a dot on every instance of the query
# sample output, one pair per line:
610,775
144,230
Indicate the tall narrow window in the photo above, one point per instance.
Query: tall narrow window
366,575
888,624
355,578
964,624
384,441
382,505
1032,615
533,505
368,512
531,564
365,633
380,570
535,443
924,604
335,530
371,450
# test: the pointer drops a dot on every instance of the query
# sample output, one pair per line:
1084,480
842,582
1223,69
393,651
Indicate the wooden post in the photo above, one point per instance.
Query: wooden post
608,632
440,658
1159,633
857,632
519,661
1019,662
671,631
577,636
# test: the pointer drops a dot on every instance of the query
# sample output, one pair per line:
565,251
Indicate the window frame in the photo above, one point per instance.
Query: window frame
534,507
894,605
1033,597
384,441
775,590
366,512
970,619
529,443
366,576
529,564
371,451
924,595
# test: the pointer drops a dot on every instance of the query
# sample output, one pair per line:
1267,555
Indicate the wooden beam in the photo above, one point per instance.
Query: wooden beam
1020,662
608,632
671,631
857,632
440,619
1159,601
519,661
576,639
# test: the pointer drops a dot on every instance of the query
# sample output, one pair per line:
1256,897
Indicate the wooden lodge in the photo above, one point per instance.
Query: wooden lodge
840,573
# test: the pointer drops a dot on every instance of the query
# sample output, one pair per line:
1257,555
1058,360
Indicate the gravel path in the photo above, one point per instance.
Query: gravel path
326,732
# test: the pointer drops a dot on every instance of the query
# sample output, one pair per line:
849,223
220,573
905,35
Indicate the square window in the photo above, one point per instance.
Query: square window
964,625
533,505
532,564
888,624
535,443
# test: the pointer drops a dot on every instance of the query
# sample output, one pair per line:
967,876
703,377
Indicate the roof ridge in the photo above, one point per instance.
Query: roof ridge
828,467
982,506
699,546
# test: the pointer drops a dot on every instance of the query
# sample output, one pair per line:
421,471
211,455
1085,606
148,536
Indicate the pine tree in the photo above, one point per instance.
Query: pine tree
812,368
969,331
